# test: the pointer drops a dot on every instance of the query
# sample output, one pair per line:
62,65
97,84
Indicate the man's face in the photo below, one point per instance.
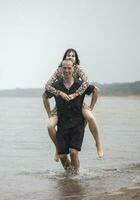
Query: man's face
68,69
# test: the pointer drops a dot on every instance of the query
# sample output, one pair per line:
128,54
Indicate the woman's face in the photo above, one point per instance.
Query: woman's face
71,56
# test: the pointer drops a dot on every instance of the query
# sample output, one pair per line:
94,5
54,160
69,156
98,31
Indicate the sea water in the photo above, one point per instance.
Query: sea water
27,168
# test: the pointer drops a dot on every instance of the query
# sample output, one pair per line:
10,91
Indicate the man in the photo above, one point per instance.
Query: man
70,124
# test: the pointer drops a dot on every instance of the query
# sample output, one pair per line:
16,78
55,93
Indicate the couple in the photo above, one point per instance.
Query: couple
69,93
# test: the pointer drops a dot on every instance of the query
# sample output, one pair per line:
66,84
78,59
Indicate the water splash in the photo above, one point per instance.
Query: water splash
85,173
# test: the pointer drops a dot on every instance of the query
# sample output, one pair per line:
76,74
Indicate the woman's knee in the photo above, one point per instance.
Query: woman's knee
87,114
52,122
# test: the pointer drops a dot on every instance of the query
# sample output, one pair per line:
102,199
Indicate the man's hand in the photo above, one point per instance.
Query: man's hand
90,108
49,115
64,96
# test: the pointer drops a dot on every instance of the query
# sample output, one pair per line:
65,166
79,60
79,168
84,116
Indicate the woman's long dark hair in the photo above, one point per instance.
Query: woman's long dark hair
76,55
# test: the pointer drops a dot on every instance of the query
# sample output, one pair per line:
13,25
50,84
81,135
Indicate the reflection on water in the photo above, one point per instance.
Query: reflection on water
27,169
70,189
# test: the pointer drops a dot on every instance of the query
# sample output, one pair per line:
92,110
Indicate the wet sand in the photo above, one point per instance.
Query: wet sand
122,194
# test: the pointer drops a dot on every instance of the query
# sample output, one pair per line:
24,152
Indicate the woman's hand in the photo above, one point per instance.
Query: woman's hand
64,96
72,96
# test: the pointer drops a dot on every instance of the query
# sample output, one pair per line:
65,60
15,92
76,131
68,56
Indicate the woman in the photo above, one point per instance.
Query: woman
86,110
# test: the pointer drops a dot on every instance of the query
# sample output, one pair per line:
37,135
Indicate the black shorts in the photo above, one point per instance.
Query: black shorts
69,138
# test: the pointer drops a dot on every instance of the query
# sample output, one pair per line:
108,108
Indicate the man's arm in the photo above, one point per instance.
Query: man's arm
46,104
94,98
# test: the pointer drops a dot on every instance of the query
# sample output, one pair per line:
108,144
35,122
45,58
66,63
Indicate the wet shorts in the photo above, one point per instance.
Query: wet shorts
69,138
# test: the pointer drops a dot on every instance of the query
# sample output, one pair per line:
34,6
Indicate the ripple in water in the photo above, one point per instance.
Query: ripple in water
85,174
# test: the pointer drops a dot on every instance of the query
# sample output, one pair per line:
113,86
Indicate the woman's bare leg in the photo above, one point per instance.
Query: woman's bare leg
52,122
94,130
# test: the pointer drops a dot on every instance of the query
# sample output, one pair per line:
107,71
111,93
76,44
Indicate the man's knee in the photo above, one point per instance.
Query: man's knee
73,153
63,156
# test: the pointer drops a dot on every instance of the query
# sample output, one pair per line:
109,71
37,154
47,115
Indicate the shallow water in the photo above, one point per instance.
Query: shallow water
27,169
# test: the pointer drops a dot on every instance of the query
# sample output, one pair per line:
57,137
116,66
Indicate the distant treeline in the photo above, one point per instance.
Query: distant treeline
29,92
119,89
113,89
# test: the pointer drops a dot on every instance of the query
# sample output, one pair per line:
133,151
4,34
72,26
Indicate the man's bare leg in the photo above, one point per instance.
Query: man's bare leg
65,162
75,163
94,130
52,133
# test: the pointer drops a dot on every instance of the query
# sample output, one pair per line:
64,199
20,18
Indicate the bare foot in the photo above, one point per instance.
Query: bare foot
100,151
56,157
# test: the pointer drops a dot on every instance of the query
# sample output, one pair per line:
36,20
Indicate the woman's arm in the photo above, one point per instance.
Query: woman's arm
57,75
49,85
81,74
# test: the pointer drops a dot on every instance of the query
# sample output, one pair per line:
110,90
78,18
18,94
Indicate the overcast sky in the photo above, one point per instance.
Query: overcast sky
34,34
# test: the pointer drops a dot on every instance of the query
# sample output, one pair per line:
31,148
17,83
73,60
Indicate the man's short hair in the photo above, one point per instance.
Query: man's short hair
65,61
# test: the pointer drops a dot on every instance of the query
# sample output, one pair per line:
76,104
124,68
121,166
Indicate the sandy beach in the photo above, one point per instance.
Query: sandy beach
122,194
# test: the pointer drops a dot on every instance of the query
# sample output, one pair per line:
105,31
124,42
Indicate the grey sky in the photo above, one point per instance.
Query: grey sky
34,35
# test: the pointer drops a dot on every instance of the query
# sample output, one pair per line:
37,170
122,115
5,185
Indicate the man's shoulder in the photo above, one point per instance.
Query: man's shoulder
78,82
58,82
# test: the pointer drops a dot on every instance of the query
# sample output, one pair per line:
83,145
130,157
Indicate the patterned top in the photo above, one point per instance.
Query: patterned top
78,74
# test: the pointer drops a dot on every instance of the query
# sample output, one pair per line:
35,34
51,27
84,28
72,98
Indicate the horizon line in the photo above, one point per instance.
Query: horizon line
22,88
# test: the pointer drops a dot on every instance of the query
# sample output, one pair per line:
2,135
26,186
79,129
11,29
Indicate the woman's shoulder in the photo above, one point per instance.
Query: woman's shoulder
78,68
59,69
